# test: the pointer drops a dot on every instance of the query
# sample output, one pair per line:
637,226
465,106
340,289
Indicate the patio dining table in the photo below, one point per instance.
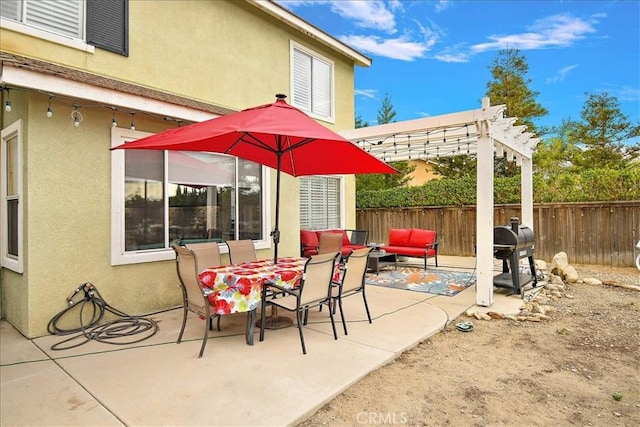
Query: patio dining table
237,288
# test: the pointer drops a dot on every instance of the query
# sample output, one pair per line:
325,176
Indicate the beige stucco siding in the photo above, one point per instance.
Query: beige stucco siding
226,53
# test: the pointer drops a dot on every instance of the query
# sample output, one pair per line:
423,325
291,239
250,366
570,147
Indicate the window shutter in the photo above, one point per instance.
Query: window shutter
301,96
319,203
62,17
108,25
321,88
10,9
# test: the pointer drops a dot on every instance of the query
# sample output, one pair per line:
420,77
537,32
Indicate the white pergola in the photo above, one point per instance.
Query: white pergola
483,133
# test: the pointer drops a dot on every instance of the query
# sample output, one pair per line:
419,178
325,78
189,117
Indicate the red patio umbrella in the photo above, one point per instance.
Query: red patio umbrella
276,135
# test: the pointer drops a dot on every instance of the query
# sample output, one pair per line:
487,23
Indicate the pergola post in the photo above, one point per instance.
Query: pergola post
526,191
484,214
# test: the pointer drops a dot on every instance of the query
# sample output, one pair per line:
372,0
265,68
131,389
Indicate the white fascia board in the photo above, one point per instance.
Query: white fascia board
52,85
303,26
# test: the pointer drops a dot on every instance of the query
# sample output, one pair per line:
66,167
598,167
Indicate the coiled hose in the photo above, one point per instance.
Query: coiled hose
113,332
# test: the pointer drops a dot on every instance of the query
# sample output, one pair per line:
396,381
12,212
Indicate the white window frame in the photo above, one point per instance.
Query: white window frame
341,201
118,254
41,33
319,58
12,263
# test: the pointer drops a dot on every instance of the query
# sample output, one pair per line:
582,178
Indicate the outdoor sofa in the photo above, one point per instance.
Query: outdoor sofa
413,242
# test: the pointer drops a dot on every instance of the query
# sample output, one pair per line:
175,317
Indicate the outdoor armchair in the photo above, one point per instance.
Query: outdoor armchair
329,243
198,299
207,254
352,282
241,251
314,290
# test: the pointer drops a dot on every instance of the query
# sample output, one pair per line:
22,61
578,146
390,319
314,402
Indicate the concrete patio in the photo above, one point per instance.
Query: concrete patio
157,382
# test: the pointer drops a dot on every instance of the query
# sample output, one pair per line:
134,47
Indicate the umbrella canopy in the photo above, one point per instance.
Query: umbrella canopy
276,135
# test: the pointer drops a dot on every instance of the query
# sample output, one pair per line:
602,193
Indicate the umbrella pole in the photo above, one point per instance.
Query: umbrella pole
274,321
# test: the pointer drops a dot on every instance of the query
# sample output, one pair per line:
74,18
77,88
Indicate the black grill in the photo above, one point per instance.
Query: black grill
511,243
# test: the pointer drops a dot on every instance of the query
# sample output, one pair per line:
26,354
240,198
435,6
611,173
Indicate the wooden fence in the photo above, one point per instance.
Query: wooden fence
602,233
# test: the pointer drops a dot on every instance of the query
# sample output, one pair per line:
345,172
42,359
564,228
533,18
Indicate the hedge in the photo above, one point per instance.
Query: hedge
590,186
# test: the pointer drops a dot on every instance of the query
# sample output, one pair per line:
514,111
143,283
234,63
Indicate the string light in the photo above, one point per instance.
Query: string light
49,110
7,104
133,125
113,118
76,116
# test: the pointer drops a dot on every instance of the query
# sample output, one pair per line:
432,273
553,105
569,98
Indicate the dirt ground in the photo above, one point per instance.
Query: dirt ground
579,368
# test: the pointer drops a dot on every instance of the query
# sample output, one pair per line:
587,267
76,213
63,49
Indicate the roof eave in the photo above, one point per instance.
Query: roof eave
310,30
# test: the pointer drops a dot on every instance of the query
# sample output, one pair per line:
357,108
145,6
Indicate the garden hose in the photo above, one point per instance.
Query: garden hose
112,332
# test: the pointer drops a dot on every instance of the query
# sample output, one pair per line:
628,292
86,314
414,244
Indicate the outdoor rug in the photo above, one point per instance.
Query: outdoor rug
439,282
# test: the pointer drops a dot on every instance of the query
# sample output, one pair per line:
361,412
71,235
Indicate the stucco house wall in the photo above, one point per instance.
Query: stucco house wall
226,54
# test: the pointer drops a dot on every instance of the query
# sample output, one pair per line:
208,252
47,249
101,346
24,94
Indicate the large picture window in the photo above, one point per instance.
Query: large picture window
11,202
320,202
312,83
163,196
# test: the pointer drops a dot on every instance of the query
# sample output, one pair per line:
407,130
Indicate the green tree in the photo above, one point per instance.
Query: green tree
359,122
604,134
386,113
458,166
555,154
510,86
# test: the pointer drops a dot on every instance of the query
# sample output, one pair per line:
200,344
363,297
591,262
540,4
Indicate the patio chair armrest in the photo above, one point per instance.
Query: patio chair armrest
280,288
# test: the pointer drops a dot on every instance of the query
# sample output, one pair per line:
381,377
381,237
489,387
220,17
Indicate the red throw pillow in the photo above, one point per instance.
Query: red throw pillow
419,237
399,236
308,238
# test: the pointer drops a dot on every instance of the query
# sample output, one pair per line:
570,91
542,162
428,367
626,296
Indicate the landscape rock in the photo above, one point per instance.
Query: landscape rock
592,281
559,262
570,274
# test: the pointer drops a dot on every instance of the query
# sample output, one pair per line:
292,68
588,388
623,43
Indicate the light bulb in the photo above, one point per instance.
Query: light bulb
49,112
114,123
76,123
7,106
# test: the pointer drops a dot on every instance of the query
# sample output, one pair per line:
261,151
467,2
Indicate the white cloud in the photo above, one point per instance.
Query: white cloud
366,14
399,48
554,31
561,74
442,5
367,93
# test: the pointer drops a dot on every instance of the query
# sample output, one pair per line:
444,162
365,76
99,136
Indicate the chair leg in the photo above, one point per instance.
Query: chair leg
333,324
366,306
251,320
344,322
298,315
184,323
263,308
204,339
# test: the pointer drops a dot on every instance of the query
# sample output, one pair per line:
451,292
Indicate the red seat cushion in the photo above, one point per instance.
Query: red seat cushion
399,236
420,238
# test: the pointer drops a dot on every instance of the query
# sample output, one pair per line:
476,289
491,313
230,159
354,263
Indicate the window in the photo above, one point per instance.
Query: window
320,202
12,200
312,83
106,24
161,196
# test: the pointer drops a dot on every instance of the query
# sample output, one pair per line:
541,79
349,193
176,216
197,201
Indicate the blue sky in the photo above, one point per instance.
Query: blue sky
433,57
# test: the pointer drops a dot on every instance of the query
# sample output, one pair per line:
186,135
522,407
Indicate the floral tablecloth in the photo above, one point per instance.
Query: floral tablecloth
237,288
